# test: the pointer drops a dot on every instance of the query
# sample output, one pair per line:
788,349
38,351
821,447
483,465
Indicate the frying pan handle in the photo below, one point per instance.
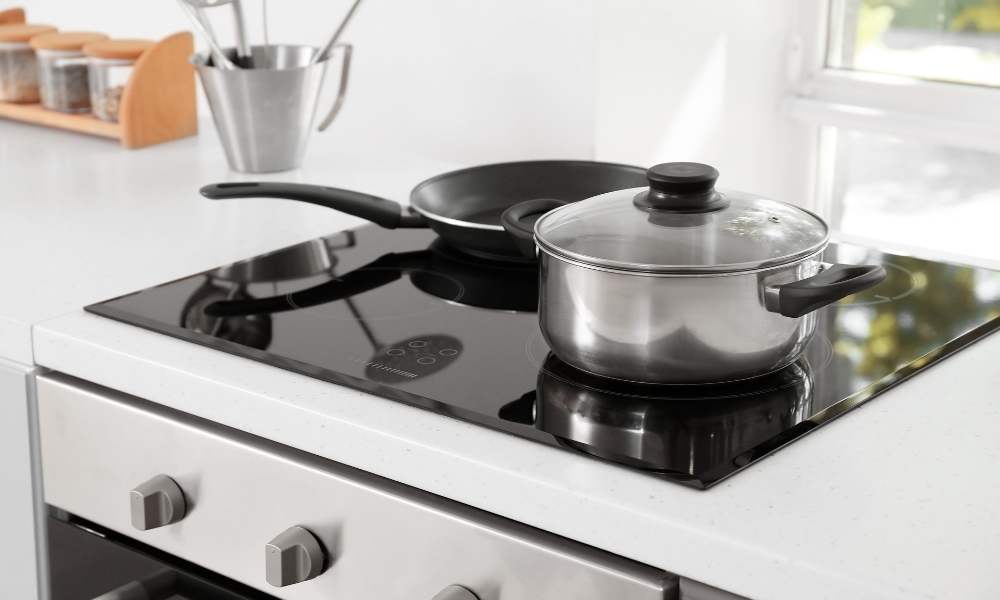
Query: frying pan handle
826,287
381,271
519,224
380,211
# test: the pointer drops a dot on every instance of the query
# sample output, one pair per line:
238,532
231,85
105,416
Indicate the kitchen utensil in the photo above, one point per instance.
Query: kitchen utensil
264,20
244,57
463,207
324,52
338,103
218,57
204,28
265,115
679,429
242,40
680,283
196,12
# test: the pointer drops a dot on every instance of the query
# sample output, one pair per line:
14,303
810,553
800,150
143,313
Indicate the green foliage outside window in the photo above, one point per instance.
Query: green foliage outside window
942,15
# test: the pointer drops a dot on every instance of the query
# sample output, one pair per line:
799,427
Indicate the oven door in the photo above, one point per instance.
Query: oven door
88,562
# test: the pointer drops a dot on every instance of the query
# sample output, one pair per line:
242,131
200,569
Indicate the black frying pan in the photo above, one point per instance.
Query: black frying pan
463,207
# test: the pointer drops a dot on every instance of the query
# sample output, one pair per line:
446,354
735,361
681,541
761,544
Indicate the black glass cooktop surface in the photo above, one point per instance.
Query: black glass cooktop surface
400,315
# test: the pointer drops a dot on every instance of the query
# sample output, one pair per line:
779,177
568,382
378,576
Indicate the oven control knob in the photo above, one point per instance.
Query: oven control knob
293,557
156,503
455,592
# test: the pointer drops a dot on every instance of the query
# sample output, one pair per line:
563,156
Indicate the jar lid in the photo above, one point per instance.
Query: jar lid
66,40
681,224
117,49
23,33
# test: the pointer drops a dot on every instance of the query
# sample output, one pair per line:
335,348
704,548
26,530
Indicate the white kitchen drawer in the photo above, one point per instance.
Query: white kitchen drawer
387,541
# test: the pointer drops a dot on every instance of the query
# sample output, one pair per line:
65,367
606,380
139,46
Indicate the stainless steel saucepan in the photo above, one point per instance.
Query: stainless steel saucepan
680,282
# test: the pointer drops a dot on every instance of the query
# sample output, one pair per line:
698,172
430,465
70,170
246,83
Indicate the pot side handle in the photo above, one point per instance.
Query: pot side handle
519,221
826,287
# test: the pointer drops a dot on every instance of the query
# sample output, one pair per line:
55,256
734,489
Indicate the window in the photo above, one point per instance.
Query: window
945,40
914,194
905,95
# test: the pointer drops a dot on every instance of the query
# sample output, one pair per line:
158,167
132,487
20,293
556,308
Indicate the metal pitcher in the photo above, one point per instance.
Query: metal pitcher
265,115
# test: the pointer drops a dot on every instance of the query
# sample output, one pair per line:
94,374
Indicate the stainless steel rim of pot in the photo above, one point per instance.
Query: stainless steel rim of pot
681,225
671,270
679,274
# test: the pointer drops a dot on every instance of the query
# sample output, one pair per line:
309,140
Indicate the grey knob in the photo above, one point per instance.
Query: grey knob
293,557
156,503
455,592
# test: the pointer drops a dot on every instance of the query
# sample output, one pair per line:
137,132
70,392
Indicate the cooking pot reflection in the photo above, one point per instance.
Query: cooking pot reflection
691,430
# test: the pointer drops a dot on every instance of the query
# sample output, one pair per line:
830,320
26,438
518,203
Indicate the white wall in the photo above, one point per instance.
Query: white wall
703,81
472,81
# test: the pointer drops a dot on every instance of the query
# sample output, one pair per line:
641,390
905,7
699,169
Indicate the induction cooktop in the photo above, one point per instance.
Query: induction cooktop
403,316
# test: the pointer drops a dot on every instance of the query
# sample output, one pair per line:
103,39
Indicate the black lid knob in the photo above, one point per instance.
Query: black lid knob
682,177
682,187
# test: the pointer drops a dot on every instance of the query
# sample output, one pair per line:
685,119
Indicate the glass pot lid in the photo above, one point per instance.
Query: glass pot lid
681,224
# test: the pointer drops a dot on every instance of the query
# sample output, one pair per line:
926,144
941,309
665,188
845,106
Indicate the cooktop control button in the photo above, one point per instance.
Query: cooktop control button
293,557
455,592
156,503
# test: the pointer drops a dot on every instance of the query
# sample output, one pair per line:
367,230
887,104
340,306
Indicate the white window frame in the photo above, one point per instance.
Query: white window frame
958,115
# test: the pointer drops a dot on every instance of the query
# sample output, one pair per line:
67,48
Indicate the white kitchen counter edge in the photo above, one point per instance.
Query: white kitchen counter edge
655,522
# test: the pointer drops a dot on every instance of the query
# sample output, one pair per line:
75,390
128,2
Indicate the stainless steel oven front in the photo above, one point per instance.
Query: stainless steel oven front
170,499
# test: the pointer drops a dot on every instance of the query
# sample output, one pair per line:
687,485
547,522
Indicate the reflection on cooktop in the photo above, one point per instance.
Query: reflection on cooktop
401,315
685,431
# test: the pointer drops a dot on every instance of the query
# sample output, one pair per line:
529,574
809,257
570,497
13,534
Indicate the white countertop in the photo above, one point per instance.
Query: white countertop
897,499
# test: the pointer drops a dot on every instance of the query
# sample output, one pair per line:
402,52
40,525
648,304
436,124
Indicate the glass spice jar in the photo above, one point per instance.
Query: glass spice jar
110,64
62,70
18,65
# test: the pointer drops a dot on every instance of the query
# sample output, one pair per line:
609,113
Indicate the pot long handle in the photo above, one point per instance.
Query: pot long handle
519,221
381,271
380,211
826,287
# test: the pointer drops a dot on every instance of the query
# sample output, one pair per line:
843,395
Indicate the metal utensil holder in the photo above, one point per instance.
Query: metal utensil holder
265,115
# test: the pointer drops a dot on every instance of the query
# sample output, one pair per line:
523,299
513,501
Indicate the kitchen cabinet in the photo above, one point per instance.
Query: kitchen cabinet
19,552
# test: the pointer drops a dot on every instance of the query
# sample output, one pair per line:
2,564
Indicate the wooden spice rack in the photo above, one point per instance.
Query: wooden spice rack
12,16
159,103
